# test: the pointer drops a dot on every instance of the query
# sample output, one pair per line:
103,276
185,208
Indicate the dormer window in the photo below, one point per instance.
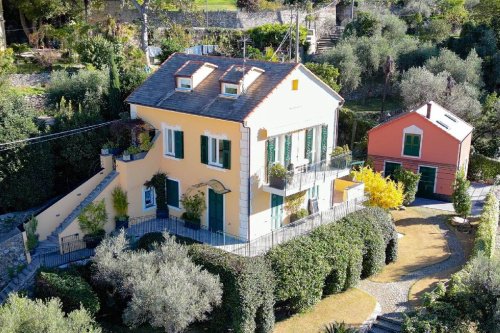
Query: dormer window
184,83
230,89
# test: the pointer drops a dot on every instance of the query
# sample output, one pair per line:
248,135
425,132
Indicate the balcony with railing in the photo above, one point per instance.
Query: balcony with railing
297,178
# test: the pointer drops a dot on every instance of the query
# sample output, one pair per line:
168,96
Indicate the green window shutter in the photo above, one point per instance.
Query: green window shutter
412,145
309,142
204,149
416,145
172,193
288,150
324,141
179,144
226,154
271,151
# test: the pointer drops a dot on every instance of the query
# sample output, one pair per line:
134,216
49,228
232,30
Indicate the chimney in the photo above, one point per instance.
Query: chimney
429,107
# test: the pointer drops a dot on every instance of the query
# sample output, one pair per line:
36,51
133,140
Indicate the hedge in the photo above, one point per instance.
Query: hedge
248,285
72,290
483,168
332,257
488,223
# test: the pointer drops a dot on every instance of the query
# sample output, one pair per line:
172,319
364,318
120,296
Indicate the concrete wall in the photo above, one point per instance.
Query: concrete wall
286,111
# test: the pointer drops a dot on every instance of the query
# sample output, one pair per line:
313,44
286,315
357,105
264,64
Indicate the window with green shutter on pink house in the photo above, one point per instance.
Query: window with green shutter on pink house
412,145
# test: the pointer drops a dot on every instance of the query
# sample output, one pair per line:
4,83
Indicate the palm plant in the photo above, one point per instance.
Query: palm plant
336,327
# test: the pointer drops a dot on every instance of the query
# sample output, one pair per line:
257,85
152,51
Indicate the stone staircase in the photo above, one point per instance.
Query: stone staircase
51,245
52,241
328,41
385,324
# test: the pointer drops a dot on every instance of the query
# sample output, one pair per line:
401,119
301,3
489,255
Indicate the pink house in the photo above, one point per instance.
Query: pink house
430,140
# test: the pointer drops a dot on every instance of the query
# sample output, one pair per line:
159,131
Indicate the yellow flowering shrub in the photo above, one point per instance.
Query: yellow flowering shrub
383,192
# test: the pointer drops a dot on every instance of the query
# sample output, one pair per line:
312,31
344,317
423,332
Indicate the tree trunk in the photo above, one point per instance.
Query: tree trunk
24,24
144,34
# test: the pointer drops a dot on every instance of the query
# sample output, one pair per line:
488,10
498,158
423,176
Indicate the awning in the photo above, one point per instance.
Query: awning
215,185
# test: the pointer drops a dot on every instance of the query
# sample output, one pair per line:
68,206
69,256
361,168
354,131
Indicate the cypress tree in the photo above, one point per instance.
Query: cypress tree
115,94
461,199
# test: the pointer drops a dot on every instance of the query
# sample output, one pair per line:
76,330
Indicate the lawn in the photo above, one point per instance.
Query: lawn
216,4
352,307
422,244
373,104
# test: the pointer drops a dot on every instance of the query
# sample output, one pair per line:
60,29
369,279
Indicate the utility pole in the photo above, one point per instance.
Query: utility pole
297,37
245,39
291,35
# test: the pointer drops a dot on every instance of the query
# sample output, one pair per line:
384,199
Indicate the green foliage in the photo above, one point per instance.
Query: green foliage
327,73
461,199
248,284
73,291
332,258
86,87
342,56
26,171
488,223
6,65
365,24
150,241
194,205
300,214
410,181
158,182
272,35
278,170
249,5
96,50
339,328
294,202
31,235
170,46
486,134
340,150
437,30
483,168
20,314
120,202
93,217
145,141
115,94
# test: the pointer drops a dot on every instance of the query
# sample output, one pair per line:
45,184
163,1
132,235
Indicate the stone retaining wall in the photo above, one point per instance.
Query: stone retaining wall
12,258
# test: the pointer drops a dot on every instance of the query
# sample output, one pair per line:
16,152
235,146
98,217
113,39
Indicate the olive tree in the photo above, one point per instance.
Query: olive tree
467,70
21,314
166,289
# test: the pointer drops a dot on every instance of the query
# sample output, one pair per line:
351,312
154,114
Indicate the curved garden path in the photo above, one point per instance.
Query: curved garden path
393,296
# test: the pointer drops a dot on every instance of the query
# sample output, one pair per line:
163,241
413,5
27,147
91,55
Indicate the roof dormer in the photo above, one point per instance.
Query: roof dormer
237,79
189,75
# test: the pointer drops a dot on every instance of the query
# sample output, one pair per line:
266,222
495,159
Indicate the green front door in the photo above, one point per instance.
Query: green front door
215,211
276,211
390,168
427,181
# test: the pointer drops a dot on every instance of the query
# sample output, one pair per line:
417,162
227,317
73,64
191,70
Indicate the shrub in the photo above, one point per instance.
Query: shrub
165,288
73,291
158,182
327,73
120,203
93,217
383,192
194,204
170,46
339,328
31,235
96,50
483,168
300,271
410,180
461,199
248,284
272,34
249,5
21,314
152,240
488,224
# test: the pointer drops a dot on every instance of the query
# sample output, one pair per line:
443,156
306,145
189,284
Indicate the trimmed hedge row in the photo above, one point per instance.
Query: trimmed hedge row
248,285
488,223
72,290
483,168
332,258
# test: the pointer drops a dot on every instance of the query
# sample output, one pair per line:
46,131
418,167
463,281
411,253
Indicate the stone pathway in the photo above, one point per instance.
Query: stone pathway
393,296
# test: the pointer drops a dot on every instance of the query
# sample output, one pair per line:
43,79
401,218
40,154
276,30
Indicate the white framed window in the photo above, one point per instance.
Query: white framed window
169,141
184,83
215,149
148,198
230,89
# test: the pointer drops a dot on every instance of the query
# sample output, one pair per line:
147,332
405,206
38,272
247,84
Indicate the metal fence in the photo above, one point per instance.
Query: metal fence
174,225
75,251
301,227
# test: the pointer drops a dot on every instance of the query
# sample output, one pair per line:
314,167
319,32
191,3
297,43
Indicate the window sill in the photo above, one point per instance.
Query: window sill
410,156
215,167
171,157
186,90
148,208
228,96
177,209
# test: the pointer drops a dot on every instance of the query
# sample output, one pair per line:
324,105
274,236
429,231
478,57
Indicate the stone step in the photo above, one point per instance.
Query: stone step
394,321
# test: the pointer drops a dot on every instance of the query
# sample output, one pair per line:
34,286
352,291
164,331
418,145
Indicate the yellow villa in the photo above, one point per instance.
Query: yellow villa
252,136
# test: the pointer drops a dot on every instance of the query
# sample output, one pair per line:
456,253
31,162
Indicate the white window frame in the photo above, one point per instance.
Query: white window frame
184,80
231,86
218,158
415,131
146,207
169,137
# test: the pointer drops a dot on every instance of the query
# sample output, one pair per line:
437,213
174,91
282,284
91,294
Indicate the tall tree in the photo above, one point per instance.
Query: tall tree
461,199
115,95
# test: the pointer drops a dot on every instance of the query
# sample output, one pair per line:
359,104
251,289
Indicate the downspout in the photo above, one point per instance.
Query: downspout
249,177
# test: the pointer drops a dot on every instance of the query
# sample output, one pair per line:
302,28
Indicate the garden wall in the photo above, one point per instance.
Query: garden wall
12,258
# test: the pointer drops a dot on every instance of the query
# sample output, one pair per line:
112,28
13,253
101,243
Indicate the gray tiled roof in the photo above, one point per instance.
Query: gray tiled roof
234,74
189,68
159,89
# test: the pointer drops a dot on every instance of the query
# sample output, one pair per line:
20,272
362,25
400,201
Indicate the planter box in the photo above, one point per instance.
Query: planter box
119,224
139,156
278,183
193,224
105,151
162,213
127,157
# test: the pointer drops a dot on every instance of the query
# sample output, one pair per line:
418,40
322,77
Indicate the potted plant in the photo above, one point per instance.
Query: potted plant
340,156
159,183
105,148
195,205
120,204
277,176
131,153
145,141
92,220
